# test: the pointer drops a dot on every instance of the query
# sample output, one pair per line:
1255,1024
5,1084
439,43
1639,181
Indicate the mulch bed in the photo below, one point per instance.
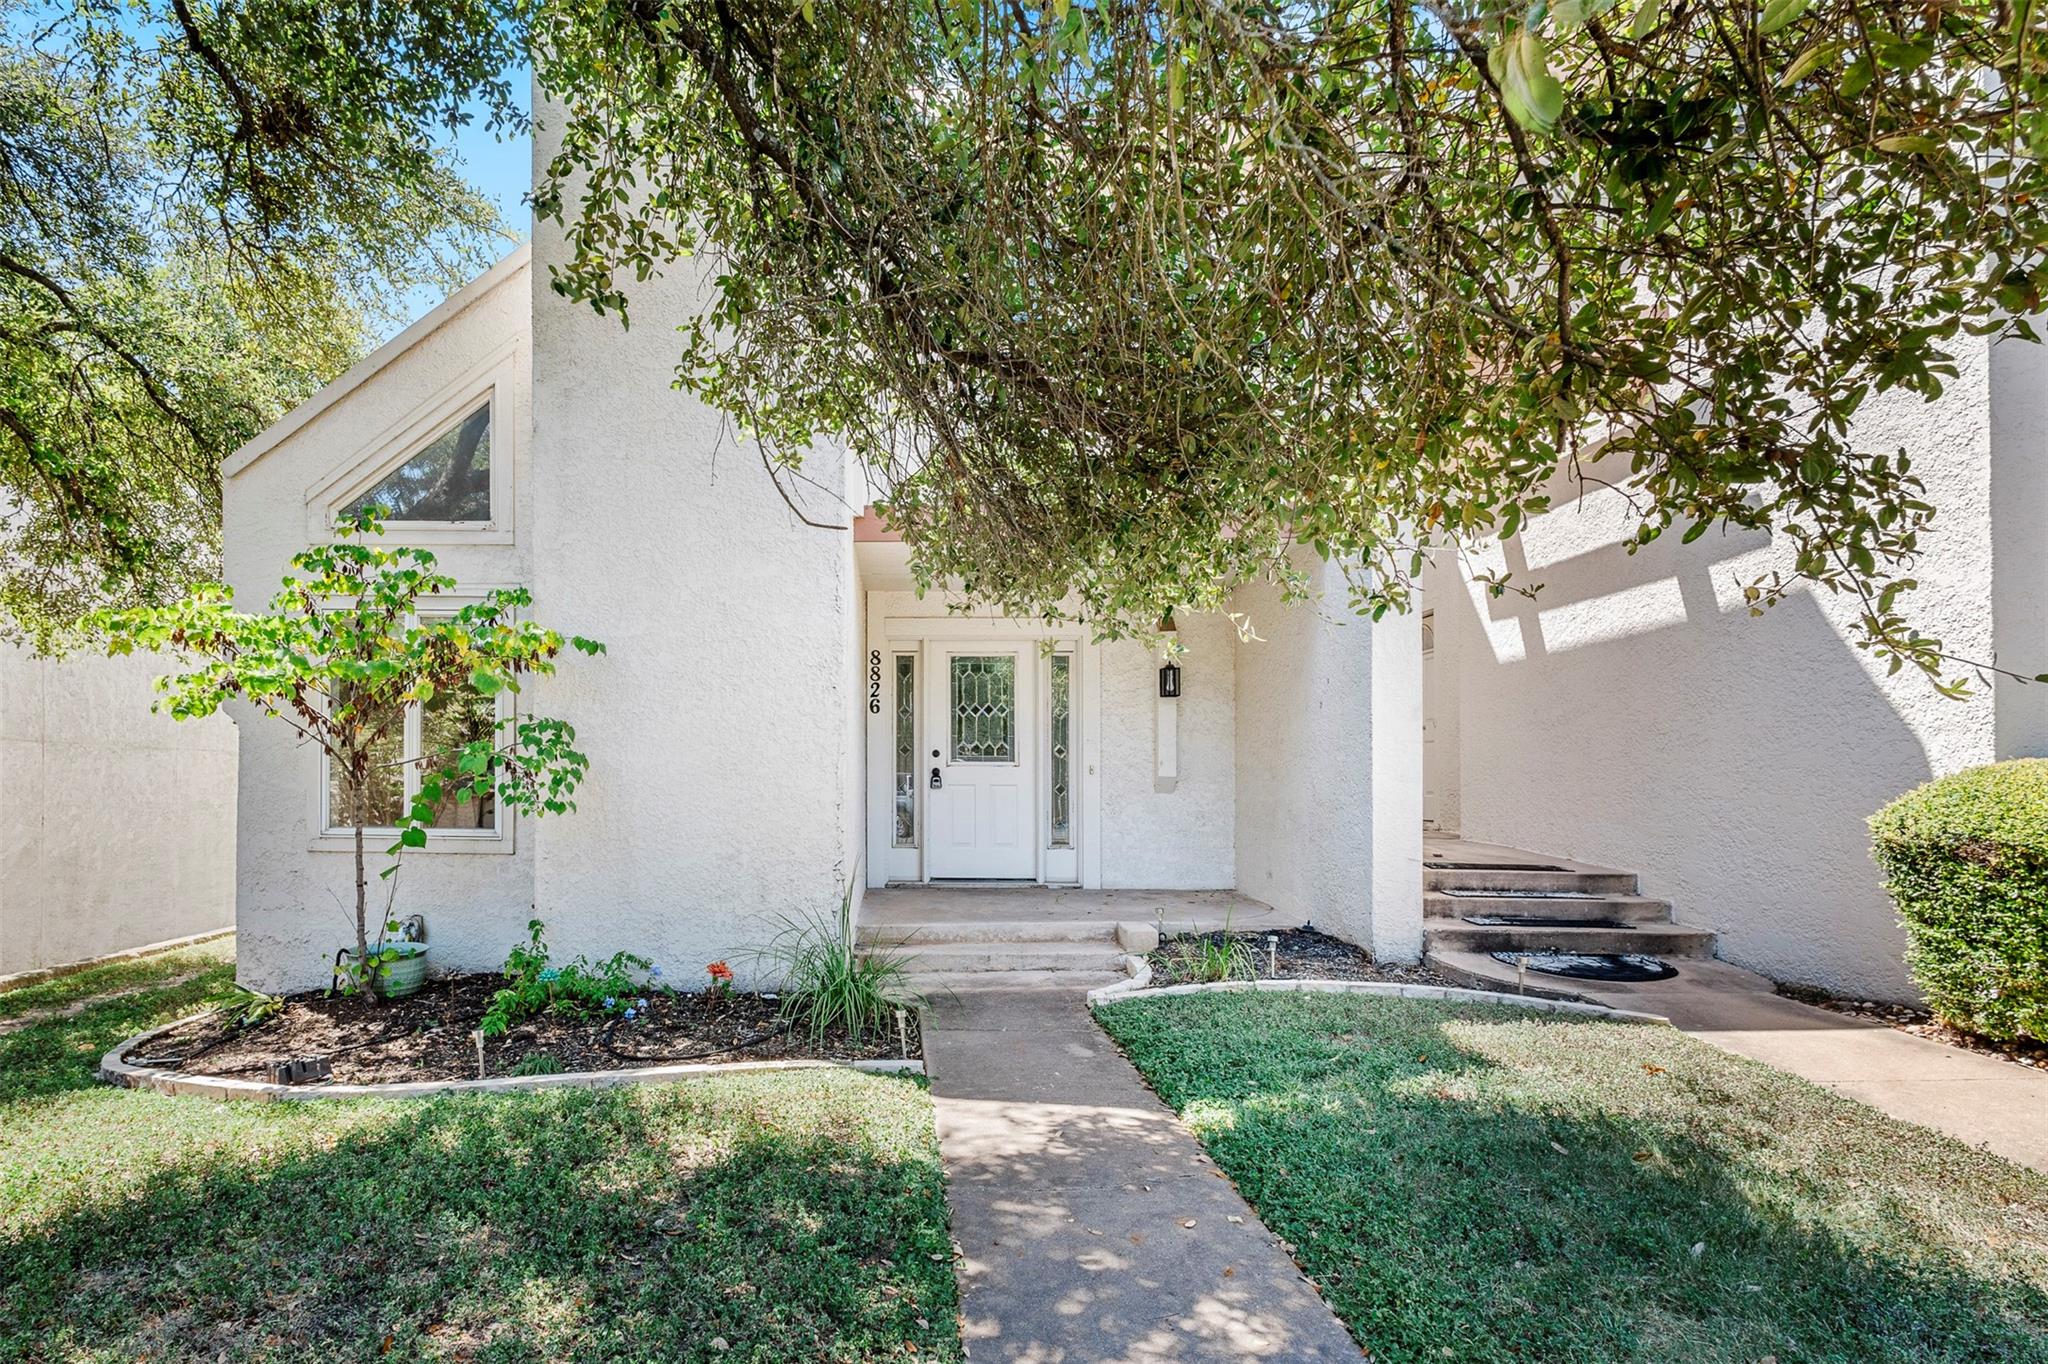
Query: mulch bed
1301,954
427,1036
1921,1023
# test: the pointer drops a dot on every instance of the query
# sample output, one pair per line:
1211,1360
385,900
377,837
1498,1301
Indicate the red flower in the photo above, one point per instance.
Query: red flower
720,972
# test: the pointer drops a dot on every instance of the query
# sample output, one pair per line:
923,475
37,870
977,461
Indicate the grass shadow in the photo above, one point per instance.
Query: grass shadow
1484,1184
795,1216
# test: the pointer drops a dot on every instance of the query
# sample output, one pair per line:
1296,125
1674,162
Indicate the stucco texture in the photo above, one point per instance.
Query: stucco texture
117,826
1173,836
1636,714
721,724
1328,769
295,890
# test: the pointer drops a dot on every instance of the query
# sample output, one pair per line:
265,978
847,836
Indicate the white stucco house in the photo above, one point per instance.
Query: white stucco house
780,716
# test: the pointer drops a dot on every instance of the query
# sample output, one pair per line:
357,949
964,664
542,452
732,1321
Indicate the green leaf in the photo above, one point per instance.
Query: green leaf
413,836
1909,142
1778,13
485,682
1808,62
1645,19
1534,97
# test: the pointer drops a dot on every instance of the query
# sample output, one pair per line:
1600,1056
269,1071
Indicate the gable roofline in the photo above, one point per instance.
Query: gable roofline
367,368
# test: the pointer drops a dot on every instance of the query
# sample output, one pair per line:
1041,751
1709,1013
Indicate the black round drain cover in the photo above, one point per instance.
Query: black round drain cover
1615,966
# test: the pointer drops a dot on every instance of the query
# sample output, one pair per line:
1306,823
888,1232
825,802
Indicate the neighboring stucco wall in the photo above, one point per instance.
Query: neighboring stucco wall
1329,771
117,826
1177,838
296,903
1635,714
717,726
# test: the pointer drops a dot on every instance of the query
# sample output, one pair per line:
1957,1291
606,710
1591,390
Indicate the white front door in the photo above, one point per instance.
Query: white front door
980,763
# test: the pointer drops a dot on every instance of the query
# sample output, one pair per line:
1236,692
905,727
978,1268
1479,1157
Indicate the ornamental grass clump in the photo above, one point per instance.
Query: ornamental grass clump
828,983
1965,858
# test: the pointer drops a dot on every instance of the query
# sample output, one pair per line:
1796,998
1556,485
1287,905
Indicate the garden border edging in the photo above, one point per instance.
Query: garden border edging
116,1071
1141,978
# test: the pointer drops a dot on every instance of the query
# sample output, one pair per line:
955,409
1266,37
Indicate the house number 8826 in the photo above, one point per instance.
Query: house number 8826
875,682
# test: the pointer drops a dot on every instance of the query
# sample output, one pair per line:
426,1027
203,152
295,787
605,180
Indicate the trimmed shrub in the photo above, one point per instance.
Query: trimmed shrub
1966,860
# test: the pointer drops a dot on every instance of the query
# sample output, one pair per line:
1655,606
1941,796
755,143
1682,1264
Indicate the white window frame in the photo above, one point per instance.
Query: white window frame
328,837
491,384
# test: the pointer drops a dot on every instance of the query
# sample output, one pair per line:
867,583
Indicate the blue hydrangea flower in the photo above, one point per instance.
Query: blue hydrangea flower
608,1002
642,1002
550,974
629,1015
654,971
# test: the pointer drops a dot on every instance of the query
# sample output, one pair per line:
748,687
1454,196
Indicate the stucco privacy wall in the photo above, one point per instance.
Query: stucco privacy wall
1329,765
296,891
717,726
117,826
1635,714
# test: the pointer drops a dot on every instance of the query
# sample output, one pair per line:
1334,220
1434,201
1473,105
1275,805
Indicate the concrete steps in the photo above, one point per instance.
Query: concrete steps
1657,940
1018,931
1629,909
1564,906
926,958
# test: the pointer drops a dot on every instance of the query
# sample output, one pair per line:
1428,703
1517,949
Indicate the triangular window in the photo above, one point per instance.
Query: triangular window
448,480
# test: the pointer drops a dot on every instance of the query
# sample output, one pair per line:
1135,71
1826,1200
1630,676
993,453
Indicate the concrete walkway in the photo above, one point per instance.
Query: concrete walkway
1094,1228
1978,1099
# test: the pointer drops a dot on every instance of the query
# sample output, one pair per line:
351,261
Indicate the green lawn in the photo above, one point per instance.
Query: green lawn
1490,1184
794,1215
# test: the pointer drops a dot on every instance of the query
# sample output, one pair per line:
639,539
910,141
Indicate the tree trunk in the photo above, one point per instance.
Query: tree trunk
362,900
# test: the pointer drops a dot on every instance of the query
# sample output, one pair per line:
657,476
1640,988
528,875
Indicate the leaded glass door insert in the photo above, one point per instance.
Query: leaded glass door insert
984,708
906,750
1059,777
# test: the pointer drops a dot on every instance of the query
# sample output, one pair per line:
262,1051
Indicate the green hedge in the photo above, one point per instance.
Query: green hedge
1966,859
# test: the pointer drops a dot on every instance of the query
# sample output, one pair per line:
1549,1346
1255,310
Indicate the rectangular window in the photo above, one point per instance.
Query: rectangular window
383,794
1060,787
906,750
414,741
985,709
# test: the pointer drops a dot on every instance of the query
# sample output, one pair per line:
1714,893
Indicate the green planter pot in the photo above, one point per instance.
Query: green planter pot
404,973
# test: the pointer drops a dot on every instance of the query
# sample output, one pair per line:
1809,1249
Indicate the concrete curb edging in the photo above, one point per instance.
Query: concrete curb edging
42,974
1135,987
115,1071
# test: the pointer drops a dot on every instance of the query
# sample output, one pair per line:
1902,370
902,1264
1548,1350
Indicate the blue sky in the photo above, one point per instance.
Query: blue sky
503,170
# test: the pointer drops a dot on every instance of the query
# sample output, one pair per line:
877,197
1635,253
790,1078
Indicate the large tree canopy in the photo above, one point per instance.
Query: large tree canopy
1123,299
205,207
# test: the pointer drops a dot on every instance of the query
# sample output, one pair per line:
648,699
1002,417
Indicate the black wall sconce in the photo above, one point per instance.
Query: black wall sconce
1169,680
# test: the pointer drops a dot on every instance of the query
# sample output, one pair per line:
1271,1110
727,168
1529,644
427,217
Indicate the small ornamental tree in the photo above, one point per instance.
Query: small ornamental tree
344,650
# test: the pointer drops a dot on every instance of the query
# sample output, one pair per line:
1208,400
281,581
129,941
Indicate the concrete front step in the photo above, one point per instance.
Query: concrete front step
953,932
1600,882
1632,909
939,986
959,957
1658,940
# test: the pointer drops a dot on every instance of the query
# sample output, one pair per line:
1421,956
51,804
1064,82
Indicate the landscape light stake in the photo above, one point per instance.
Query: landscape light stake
903,1034
478,1034
1273,955
1522,975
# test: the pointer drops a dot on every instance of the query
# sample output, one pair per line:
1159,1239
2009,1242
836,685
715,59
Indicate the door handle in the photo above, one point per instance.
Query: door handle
937,780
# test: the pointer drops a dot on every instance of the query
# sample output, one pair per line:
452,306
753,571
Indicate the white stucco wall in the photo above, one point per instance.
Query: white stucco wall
718,726
117,826
1329,799
295,902
1635,714
1178,837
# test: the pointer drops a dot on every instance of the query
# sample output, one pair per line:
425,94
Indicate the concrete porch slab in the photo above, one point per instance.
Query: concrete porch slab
1031,909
